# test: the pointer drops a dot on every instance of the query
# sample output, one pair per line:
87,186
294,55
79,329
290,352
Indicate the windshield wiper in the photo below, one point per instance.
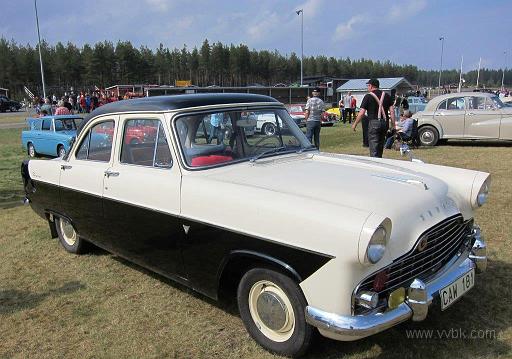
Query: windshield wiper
269,151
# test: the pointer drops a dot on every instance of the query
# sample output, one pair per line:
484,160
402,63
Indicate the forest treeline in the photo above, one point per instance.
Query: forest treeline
106,63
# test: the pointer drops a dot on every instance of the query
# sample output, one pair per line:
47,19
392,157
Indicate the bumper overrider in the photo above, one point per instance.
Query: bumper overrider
419,296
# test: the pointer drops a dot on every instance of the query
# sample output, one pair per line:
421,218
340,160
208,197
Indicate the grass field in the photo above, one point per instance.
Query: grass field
53,304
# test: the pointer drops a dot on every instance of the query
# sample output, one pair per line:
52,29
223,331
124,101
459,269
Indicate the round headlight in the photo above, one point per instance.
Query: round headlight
483,194
377,245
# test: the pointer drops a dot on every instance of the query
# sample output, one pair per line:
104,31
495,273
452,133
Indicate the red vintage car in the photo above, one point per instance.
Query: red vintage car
134,134
297,111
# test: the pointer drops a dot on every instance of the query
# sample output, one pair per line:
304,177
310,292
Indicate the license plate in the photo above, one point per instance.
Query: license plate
454,291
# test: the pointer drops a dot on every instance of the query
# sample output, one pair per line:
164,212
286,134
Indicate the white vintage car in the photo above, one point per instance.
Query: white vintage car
300,238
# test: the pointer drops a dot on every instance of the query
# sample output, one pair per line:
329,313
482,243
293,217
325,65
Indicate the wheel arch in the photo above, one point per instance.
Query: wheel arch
433,124
238,262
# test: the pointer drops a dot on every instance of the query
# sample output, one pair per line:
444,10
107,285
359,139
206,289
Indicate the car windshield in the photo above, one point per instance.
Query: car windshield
497,102
67,124
230,136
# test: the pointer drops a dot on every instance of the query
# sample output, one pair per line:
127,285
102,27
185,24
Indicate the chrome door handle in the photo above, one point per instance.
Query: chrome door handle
111,173
65,167
439,114
470,114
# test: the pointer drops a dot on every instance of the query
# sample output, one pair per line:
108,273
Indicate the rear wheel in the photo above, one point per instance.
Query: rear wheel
272,308
69,237
428,136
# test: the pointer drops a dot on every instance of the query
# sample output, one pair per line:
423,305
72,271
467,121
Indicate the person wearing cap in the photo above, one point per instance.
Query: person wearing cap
377,105
314,109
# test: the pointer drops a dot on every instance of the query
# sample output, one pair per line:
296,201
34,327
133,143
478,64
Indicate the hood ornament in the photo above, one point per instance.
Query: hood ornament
405,150
405,180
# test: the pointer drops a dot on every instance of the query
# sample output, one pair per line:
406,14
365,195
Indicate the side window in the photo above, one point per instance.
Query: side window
456,103
442,105
490,104
144,144
476,103
97,144
47,123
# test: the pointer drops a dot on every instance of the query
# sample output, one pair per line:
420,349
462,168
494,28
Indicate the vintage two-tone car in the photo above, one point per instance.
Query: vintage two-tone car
464,115
235,218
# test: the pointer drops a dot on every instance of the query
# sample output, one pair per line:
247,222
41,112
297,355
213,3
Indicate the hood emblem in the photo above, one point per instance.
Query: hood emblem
186,228
422,245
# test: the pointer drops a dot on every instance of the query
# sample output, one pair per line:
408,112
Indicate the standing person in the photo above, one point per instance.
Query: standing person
347,99
47,106
377,104
314,109
217,122
397,102
353,103
82,103
87,102
62,109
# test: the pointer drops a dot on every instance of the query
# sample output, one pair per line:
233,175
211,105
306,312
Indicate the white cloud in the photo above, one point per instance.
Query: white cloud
160,5
348,29
405,10
263,26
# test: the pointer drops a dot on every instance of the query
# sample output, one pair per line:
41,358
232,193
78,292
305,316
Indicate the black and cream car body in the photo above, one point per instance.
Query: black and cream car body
301,238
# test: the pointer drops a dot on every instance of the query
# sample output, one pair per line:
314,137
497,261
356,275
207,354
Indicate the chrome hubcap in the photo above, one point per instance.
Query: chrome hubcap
271,311
427,137
31,151
67,231
270,130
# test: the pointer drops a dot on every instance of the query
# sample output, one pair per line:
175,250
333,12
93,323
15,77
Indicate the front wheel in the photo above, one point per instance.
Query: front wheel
428,136
61,151
31,150
272,308
69,237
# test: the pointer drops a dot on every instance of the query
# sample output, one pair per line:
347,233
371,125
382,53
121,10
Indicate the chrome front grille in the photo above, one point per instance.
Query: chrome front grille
433,250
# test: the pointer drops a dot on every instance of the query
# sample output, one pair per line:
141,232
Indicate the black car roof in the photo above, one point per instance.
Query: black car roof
175,102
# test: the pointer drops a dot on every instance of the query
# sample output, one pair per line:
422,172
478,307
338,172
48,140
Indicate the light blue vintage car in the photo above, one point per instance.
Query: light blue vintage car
49,135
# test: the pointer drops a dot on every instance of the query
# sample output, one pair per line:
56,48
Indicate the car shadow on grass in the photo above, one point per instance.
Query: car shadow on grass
14,300
474,327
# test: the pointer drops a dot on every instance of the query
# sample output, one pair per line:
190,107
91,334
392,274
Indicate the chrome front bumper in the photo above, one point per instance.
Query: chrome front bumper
419,297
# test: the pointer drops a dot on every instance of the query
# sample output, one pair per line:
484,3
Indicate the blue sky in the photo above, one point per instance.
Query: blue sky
404,32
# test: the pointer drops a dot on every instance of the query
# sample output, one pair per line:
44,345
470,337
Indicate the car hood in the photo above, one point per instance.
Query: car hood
413,200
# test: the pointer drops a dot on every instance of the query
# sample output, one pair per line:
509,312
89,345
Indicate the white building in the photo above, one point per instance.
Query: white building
358,87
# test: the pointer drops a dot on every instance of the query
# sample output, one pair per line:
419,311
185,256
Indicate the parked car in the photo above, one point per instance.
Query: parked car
297,111
49,135
234,218
7,104
416,104
464,115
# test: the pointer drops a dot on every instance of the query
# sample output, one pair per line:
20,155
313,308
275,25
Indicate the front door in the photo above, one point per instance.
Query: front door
450,115
142,195
81,180
482,118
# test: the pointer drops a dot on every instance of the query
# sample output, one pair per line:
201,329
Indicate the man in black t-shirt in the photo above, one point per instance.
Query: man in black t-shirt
378,106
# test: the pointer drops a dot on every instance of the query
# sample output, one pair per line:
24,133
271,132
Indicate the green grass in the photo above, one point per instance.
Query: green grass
53,304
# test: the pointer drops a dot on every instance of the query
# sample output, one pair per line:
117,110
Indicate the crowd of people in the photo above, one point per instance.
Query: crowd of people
72,103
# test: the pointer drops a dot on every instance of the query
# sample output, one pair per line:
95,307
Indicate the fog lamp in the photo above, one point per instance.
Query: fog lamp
396,298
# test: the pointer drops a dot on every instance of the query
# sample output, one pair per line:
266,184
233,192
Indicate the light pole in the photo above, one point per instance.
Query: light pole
441,65
40,57
301,13
504,68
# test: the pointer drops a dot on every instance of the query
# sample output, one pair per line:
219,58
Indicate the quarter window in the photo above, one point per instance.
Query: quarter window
97,144
145,144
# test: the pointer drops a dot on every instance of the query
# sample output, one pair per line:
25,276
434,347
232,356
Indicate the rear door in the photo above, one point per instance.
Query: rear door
43,144
82,176
482,118
142,195
450,114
